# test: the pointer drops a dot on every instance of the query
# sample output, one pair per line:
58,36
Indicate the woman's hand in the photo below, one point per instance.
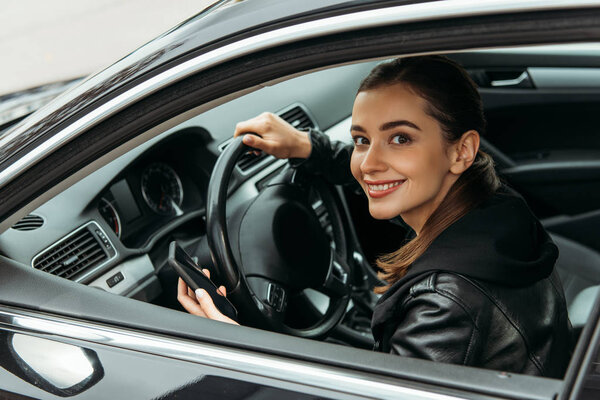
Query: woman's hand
200,303
275,136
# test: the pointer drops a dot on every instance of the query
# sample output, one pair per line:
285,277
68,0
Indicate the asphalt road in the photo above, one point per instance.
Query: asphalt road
43,41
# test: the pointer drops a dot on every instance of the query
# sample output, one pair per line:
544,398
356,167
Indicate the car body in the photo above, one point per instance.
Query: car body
81,169
16,106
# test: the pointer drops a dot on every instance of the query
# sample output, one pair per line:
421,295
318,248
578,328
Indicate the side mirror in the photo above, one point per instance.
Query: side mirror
59,368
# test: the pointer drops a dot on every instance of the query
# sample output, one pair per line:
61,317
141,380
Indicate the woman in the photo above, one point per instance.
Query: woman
475,284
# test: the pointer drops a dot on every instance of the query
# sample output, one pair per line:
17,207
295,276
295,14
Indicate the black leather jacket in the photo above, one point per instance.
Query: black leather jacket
456,319
484,294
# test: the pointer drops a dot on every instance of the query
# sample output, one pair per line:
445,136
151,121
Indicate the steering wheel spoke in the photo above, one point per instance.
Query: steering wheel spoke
272,295
336,283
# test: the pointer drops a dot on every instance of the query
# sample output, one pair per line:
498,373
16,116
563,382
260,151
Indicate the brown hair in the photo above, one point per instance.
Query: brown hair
453,100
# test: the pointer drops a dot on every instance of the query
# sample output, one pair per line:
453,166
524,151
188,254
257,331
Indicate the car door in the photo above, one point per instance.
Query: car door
41,305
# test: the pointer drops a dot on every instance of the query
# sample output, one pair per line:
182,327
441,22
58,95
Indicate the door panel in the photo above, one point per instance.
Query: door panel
545,134
558,188
49,369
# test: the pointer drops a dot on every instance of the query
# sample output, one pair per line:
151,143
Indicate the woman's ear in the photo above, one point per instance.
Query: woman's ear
464,152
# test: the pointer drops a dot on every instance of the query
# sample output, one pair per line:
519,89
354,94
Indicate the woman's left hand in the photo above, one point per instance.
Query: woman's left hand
200,303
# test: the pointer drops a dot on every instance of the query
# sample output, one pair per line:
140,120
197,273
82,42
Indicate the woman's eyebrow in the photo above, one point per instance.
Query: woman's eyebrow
394,124
358,128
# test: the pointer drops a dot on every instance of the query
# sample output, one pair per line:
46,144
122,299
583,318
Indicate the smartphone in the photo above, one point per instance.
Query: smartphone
193,276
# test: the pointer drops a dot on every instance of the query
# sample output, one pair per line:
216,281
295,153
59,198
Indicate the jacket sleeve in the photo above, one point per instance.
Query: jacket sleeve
436,326
328,159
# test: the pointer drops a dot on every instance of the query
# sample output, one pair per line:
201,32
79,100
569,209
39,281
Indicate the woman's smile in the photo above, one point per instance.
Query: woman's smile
378,189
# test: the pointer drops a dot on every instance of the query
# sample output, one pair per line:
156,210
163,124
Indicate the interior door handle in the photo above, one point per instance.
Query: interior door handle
522,80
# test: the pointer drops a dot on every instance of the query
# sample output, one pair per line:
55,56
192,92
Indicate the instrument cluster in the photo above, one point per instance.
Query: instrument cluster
162,185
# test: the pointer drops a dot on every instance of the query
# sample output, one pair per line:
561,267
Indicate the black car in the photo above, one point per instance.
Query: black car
98,183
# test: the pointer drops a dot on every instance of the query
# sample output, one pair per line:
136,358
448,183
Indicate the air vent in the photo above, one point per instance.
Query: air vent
298,118
84,249
29,223
248,160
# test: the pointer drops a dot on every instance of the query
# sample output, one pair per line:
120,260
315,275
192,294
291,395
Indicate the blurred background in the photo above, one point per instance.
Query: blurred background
46,46
44,41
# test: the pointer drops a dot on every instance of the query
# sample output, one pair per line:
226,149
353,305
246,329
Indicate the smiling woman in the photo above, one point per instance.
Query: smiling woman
444,174
477,252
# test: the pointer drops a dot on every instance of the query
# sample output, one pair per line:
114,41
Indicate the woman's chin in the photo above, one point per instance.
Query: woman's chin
383,213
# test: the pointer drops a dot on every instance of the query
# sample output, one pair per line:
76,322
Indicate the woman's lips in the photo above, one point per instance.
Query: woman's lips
378,189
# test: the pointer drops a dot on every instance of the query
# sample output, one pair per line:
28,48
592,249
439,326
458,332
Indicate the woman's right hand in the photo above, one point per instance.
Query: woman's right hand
275,136
200,303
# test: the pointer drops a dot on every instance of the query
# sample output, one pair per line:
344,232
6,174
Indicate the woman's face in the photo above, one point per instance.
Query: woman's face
400,157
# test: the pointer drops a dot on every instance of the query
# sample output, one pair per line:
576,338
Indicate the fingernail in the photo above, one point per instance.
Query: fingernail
199,293
248,139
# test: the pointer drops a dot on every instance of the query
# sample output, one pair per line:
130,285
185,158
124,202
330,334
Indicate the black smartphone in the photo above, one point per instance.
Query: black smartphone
193,276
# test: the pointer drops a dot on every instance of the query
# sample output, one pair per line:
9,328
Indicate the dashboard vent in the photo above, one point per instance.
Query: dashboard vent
78,252
29,223
248,160
298,118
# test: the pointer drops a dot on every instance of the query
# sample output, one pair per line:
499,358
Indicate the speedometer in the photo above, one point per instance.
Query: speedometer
110,215
162,189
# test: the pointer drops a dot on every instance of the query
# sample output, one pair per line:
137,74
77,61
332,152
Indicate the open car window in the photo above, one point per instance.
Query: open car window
109,227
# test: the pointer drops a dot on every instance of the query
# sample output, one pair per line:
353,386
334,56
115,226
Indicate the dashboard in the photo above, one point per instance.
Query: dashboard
112,228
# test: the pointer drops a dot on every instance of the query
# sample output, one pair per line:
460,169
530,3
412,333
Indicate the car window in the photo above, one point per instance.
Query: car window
298,102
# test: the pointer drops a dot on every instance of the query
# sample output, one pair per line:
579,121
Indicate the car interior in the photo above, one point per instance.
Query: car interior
112,229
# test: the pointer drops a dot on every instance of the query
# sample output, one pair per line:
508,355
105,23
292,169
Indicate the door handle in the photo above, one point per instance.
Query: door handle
522,80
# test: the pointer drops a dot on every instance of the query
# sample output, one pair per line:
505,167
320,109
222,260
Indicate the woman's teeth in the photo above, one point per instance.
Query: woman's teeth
385,186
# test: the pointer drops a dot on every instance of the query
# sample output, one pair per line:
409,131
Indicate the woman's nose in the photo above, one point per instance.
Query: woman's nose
373,161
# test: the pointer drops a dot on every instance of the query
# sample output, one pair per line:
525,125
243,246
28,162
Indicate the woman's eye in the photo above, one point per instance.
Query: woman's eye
360,140
400,139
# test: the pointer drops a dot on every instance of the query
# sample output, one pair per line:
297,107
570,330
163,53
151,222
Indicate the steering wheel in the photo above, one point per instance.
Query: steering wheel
273,247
